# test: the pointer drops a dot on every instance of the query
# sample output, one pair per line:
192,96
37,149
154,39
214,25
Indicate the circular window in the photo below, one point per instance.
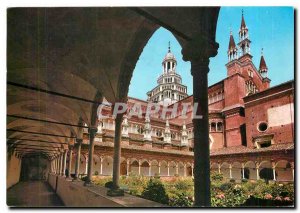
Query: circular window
262,127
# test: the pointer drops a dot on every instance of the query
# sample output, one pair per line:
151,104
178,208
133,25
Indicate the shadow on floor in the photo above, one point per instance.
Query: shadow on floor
32,194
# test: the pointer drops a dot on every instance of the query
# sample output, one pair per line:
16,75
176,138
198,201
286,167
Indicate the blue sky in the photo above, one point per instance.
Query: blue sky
271,28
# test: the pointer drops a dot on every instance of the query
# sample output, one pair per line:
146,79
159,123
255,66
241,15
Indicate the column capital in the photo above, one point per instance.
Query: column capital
199,49
93,130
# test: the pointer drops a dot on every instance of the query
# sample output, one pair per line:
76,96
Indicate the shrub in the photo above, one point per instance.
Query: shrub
215,176
109,184
155,191
182,200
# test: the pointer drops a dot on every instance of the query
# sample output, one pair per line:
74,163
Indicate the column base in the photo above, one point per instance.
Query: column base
115,192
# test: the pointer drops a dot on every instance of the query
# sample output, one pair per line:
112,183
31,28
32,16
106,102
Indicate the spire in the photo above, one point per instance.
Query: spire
232,49
231,42
169,48
243,24
262,64
244,43
263,69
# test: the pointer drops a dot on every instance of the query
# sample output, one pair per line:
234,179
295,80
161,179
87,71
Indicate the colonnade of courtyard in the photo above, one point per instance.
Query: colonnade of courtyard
280,170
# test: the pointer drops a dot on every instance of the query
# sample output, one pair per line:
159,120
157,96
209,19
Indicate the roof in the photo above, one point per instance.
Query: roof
262,64
231,42
244,150
243,24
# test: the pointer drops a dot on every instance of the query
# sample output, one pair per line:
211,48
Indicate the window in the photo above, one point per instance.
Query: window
262,126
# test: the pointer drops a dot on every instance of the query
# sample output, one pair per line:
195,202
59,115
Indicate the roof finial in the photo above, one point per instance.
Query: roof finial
262,51
169,48
242,12
230,29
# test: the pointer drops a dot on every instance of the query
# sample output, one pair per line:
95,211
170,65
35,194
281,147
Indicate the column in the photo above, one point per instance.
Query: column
184,167
219,168
274,173
243,171
64,163
257,172
70,161
92,133
127,167
86,164
116,191
101,166
198,51
149,170
159,169
77,165
139,167
177,169
61,163
168,169
230,171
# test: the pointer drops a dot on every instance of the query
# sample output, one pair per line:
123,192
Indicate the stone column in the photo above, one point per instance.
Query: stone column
70,161
257,171
230,171
61,163
168,169
177,169
55,165
243,171
184,170
92,133
127,167
149,170
116,191
219,168
274,173
64,163
139,167
86,163
101,166
77,165
159,169
198,51
193,170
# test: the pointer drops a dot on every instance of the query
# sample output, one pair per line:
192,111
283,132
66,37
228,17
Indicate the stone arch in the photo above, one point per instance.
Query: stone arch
284,170
107,165
189,168
172,168
250,170
265,170
163,168
123,166
181,169
83,164
145,167
96,164
214,167
154,168
134,167
225,169
236,170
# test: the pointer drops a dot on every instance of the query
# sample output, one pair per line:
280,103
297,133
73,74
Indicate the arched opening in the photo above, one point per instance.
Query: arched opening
163,168
107,165
284,171
266,171
181,170
236,170
34,168
225,170
214,168
189,171
154,168
96,165
134,167
250,170
123,167
172,169
145,168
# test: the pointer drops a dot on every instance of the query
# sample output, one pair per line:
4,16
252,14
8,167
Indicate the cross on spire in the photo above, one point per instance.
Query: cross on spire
169,48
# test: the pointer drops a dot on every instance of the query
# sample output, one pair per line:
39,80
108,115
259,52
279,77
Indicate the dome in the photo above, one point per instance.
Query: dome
169,55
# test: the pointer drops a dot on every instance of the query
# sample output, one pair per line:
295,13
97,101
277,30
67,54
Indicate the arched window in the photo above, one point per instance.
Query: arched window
213,127
220,127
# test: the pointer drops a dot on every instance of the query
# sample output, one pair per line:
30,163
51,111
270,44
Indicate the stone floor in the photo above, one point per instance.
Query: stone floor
32,194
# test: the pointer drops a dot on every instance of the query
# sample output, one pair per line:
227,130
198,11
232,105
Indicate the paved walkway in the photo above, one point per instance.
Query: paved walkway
32,194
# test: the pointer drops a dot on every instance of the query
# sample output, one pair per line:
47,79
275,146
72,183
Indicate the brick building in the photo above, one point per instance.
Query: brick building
251,125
